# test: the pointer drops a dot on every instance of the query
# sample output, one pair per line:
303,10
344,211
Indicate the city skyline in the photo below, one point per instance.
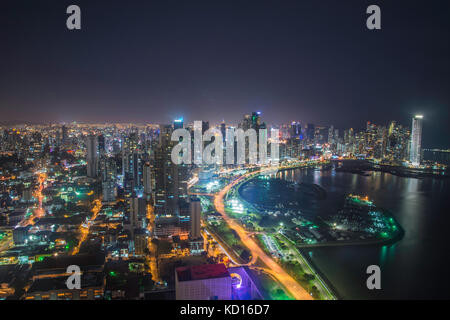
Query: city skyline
224,150
288,63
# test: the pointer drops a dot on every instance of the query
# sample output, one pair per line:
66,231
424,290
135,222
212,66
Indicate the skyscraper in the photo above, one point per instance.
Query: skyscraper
64,134
137,211
167,175
178,124
92,156
310,131
198,130
295,130
416,140
331,134
109,191
147,181
196,211
256,120
101,144
223,130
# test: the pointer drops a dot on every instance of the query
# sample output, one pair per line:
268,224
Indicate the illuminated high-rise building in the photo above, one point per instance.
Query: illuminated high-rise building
198,130
196,240
223,129
195,211
169,177
295,130
92,156
147,181
64,134
101,144
310,131
331,135
109,191
178,124
415,151
256,120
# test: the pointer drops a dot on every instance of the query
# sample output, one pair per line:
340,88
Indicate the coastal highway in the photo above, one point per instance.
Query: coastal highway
296,290
320,284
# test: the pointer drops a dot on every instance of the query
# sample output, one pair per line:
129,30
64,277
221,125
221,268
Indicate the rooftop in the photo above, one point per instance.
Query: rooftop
201,272
94,279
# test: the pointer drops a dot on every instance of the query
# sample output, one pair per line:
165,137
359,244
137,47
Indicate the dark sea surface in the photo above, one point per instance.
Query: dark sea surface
416,267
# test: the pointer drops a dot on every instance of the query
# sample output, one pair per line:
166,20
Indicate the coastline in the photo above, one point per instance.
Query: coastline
301,248
363,166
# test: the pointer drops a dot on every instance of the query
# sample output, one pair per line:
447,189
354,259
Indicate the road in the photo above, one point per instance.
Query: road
320,284
38,212
85,230
296,290
151,257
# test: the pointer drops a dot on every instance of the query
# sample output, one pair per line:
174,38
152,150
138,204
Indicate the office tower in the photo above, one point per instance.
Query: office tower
246,123
129,146
92,156
108,168
64,134
167,175
195,213
140,241
198,128
295,130
336,136
205,126
131,163
392,126
310,130
321,135
101,144
223,130
115,147
416,140
256,120
351,136
134,212
203,282
252,121
331,135
136,170
178,124
196,246
109,191
147,181
138,208
127,170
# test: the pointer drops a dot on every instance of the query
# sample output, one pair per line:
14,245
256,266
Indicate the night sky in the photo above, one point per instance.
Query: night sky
151,61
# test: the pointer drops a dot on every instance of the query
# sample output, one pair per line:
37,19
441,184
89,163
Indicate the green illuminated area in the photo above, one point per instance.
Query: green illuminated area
272,288
230,239
283,230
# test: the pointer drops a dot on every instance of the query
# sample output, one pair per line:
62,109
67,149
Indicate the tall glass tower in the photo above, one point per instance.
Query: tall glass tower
92,156
416,140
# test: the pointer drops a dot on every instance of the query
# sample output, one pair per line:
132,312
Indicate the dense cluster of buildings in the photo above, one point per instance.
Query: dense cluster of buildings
111,190
392,144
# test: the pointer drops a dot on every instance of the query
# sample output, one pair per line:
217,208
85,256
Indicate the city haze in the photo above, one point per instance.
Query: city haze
314,62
